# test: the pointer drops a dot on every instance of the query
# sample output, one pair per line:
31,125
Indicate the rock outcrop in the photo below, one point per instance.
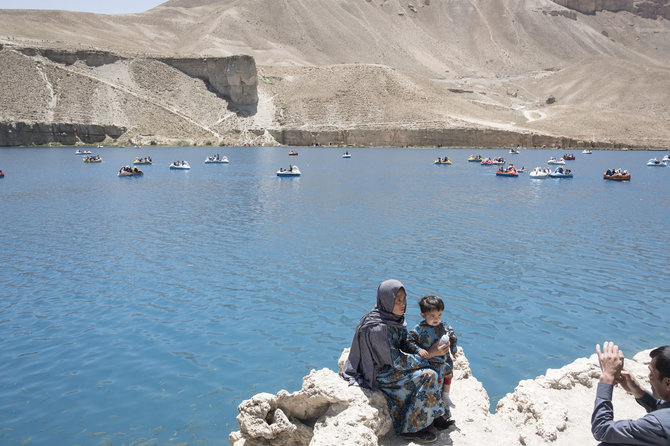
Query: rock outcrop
429,137
26,134
553,409
648,9
233,77
92,58
84,96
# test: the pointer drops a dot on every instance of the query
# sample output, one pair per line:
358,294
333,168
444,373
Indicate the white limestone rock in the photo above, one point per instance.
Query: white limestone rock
553,409
325,412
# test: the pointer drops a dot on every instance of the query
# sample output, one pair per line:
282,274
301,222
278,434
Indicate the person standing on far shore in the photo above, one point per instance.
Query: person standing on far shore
653,428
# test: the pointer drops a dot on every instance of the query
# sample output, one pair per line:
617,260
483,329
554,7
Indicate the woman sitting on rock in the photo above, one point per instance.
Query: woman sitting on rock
378,360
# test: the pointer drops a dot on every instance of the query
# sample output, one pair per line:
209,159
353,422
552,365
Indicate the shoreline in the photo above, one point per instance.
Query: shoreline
231,146
30,134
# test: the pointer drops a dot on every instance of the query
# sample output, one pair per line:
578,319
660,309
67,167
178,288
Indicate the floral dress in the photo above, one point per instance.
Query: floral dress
423,336
411,386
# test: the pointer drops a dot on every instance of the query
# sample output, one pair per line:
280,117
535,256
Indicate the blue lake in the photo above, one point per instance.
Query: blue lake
146,309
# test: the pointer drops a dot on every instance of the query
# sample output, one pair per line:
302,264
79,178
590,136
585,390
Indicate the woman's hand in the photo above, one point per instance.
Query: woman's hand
438,350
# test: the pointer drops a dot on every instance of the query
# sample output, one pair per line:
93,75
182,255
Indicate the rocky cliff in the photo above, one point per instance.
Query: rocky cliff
92,58
233,77
649,9
553,409
86,96
27,134
429,137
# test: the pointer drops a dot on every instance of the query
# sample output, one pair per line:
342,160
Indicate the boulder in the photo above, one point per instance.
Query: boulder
326,411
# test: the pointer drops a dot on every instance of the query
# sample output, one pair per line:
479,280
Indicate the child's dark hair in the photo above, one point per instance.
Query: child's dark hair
431,303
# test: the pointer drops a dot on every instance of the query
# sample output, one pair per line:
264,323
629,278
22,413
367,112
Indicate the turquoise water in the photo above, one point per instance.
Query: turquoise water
146,309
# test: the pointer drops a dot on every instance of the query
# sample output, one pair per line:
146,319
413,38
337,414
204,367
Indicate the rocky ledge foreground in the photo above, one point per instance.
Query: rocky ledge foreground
552,409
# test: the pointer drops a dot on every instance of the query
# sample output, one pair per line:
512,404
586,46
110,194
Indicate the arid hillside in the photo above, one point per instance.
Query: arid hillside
381,72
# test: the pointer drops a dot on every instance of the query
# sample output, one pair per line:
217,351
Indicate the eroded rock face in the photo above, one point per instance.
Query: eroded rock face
233,77
92,58
649,9
25,134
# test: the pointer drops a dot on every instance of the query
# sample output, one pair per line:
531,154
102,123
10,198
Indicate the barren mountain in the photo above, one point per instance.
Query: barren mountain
382,72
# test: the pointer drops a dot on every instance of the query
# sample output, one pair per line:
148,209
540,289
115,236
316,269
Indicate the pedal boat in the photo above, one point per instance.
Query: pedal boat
559,173
292,172
617,177
180,166
539,172
216,160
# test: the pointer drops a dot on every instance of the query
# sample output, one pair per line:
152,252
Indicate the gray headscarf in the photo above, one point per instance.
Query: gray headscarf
370,349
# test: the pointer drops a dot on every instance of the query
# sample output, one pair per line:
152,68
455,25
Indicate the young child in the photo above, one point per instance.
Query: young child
429,330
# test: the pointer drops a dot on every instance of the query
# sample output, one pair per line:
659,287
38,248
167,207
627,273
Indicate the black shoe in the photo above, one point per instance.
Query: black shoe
443,423
423,436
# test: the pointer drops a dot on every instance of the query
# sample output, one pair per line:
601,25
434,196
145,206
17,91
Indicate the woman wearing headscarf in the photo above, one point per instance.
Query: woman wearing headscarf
378,360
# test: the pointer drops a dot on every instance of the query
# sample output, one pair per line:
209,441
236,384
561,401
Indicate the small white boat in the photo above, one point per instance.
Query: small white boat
346,155
666,158
180,165
587,152
540,172
514,151
292,171
656,163
553,160
82,152
216,160
561,173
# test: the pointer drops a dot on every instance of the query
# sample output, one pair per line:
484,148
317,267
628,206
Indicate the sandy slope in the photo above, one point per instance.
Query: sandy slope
388,63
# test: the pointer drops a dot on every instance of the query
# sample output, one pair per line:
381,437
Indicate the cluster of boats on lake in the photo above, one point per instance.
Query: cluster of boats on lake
509,171
512,171
544,172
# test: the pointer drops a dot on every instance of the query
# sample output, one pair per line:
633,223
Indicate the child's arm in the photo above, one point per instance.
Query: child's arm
412,344
400,359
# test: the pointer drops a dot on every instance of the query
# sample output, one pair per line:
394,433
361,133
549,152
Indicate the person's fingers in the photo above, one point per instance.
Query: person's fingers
600,355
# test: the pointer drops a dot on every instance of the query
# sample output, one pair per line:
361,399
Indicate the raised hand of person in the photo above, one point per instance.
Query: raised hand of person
611,362
630,384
